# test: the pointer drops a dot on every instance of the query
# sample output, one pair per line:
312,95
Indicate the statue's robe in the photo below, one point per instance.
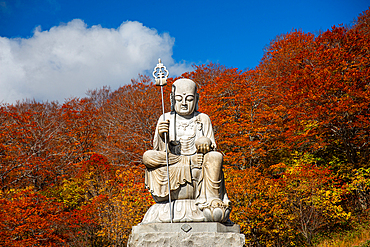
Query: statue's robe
185,181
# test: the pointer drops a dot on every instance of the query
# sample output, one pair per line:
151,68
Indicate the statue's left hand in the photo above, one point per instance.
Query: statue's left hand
203,145
204,148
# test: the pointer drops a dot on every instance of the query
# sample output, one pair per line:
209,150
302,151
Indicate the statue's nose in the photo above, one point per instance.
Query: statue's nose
183,101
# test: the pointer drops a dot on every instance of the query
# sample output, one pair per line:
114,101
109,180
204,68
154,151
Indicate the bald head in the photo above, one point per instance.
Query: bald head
184,93
184,85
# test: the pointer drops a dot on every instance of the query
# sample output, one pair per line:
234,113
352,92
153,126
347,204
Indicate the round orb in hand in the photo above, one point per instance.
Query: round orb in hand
201,141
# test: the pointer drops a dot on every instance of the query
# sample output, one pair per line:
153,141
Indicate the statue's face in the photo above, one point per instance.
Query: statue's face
185,100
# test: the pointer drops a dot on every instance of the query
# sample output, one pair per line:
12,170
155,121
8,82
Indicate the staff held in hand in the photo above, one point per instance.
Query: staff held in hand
160,75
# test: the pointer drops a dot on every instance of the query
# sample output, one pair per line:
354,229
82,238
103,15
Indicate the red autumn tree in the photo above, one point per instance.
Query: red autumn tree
128,121
322,89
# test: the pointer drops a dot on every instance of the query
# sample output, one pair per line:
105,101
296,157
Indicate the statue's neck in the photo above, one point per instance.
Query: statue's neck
184,118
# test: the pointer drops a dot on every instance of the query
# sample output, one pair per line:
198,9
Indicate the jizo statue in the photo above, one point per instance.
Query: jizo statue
195,176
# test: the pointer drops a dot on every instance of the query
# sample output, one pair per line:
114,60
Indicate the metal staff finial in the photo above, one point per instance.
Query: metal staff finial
160,75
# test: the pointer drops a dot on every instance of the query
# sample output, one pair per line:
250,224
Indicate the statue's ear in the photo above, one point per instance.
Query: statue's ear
172,97
196,101
172,100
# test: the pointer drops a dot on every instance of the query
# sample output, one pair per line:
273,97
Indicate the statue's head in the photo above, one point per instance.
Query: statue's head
184,97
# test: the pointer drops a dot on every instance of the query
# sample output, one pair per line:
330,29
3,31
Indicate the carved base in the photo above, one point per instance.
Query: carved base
186,234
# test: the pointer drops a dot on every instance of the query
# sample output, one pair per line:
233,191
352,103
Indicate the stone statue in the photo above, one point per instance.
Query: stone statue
195,167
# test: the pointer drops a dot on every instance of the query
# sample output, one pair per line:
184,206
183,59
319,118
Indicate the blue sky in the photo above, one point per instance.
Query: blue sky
55,49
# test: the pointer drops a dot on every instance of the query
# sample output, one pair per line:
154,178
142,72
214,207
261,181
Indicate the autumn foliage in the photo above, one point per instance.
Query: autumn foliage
294,132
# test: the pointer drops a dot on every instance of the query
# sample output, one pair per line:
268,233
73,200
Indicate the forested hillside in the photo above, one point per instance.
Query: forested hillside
295,132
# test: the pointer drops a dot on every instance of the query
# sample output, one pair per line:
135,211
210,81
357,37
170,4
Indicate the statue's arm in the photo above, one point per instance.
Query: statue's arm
158,143
161,128
206,143
208,129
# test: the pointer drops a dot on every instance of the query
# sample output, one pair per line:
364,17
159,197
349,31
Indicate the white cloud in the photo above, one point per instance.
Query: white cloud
69,59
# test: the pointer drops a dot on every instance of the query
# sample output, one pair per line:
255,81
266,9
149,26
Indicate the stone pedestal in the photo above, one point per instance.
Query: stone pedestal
194,234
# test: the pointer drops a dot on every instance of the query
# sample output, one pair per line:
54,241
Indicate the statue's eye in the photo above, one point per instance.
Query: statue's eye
190,98
178,98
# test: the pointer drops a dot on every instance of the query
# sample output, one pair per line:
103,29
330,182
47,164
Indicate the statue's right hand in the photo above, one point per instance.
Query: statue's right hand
163,127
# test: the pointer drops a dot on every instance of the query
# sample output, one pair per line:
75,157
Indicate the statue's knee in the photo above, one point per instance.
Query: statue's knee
213,157
148,158
146,155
